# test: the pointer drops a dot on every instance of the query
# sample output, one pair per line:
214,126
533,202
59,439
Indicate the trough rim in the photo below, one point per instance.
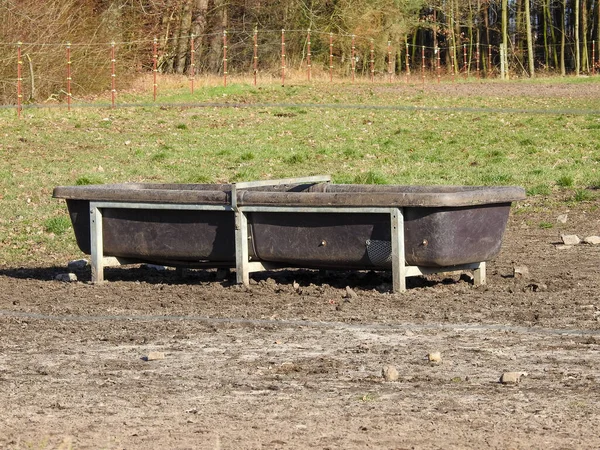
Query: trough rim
320,194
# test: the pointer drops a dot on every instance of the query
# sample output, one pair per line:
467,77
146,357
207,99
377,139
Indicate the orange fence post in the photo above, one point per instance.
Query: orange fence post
593,57
68,76
113,90
407,64
437,52
372,61
477,59
452,64
353,57
225,58
423,63
390,60
255,59
192,63
465,60
330,56
308,54
283,57
19,80
154,66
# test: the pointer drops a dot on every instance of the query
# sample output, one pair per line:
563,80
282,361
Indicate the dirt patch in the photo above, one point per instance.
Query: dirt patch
277,367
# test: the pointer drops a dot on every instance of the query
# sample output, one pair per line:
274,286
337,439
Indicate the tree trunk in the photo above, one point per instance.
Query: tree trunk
518,40
166,64
215,56
486,21
597,30
577,48
452,41
457,45
584,26
185,31
530,55
199,26
505,28
563,70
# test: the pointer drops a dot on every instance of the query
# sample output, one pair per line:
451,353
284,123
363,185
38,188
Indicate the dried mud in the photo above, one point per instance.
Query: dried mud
278,367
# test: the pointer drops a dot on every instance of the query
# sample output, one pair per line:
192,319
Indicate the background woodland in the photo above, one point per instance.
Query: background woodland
541,37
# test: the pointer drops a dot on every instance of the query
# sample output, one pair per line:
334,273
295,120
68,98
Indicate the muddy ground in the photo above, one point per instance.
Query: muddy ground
274,367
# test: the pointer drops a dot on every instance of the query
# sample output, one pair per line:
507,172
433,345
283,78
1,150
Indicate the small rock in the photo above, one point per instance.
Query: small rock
592,240
154,356
562,218
350,293
77,264
435,357
156,267
390,373
66,277
512,377
296,287
570,239
521,272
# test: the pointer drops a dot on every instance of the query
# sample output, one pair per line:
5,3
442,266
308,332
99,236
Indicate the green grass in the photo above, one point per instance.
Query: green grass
452,142
582,195
57,225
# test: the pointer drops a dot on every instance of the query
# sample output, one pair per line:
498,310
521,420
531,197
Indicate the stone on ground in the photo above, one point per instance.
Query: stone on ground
521,272
66,277
350,293
592,240
77,264
570,239
512,377
154,356
389,373
435,357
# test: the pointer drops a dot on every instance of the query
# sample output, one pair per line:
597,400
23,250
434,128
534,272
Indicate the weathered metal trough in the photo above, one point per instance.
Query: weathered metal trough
301,222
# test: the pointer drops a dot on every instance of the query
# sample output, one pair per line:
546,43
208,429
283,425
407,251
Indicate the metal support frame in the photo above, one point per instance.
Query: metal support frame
400,271
243,265
98,260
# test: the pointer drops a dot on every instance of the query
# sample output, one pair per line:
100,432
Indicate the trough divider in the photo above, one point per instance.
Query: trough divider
398,256
479,275
242,269
97,244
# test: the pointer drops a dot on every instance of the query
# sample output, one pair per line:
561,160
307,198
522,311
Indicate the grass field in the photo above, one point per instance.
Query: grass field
543,135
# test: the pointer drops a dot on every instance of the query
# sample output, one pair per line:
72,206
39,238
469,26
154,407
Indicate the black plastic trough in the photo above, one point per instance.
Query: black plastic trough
292,223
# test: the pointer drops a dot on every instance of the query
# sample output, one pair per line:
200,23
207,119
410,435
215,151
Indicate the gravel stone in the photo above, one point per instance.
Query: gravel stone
570,239
390,373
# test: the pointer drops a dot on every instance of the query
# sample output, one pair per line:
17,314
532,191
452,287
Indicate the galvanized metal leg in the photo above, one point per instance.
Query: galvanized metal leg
398,261
97,244
241,248
479,277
